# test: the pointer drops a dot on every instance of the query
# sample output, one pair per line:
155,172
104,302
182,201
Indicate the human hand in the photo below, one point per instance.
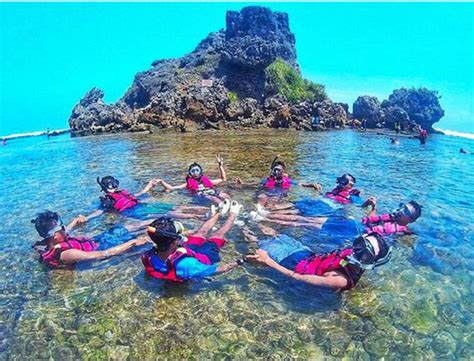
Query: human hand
220,160
237,180
260,256
80,219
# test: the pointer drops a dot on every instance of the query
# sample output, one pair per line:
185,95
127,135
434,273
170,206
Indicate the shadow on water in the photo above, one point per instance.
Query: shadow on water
419,306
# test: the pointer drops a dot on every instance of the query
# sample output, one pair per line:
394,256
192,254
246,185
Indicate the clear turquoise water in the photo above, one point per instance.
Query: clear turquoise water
419,306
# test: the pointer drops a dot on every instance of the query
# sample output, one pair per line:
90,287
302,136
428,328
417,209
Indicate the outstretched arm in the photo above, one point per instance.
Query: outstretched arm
169,188
316,186
148,187
74,255
223,178
335,281
80,219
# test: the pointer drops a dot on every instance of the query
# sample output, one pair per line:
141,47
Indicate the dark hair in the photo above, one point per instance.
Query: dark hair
45,221
278,162
363,254
165,233
417,210
108,182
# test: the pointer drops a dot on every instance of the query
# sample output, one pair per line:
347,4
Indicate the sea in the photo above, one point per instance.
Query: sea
419,306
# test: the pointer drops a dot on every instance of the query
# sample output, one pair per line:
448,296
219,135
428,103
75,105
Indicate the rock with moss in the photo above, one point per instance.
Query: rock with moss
229,80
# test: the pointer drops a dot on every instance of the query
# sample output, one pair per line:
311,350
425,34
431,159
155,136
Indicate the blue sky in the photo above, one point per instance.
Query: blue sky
52,53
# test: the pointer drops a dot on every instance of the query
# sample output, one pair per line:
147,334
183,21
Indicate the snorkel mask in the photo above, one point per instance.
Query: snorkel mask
277,168
411,209
369,251
345,179
108,183
47,229
195,170
165,237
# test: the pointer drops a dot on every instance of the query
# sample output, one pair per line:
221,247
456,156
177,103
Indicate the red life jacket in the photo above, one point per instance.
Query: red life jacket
334,261
383,225
171,263
342,195
273,182
197,185
122,200
52,256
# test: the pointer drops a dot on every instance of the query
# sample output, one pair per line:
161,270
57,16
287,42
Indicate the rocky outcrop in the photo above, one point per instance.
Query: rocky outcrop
221,84
406,106
245,75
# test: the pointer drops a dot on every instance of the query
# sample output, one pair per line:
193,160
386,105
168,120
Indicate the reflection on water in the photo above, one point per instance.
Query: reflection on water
418,306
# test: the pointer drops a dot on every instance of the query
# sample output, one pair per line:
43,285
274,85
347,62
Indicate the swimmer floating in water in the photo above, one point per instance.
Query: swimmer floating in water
178,257
58,249
340,269
386,224
120,200
199,185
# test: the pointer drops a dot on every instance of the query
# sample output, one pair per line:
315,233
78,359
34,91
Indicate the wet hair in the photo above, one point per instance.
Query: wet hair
45,221
108,183
417,210
164,234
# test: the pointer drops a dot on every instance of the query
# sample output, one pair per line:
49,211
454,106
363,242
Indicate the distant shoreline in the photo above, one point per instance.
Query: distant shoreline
52,133
55,132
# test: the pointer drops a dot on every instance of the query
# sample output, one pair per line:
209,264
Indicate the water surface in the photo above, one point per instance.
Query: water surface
419,306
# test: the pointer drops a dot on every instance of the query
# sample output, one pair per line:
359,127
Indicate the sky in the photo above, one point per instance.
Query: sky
51,54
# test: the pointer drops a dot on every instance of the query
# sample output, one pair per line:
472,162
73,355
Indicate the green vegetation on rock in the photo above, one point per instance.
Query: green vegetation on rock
233,97
285,80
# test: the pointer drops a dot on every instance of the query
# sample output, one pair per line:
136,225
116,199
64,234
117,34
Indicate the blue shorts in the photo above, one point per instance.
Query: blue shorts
283,247
113,237
314,207
340,227
148,210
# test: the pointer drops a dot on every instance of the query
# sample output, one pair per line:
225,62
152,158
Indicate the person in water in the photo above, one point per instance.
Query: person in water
277,179
339,269
179,258
397,127
386,224
199,185
120,200
344,192
58,249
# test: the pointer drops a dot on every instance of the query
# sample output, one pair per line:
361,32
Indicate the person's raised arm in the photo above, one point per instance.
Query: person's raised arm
169,188
223,178
71,256
333,281
371,202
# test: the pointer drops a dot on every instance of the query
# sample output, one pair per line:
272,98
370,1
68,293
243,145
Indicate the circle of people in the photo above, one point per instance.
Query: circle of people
178,255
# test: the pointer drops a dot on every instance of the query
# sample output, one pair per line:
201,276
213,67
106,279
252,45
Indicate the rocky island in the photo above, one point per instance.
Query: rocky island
245,75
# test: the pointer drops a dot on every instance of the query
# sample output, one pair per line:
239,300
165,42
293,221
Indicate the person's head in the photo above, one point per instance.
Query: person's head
108,184
49,225
165,233
195,171
345,181
277,169
369,251
407,213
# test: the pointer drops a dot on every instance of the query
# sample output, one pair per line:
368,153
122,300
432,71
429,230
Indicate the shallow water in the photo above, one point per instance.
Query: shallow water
419,306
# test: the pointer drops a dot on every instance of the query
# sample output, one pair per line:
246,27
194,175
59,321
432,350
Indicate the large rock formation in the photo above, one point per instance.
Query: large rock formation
243,76
406,106
223,83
